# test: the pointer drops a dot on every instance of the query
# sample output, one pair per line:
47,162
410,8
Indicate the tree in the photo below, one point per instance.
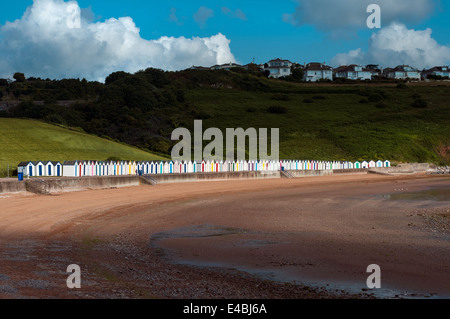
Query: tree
297,74
19,77
113,77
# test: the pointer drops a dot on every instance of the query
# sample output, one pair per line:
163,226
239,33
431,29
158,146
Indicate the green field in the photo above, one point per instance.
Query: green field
338,122
30,140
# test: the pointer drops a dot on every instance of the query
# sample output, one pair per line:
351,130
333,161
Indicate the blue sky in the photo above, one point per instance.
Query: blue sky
263,30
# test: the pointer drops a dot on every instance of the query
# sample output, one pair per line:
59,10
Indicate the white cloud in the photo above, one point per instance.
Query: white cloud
41,44
173,15
237,14
332,15
396,45
202,15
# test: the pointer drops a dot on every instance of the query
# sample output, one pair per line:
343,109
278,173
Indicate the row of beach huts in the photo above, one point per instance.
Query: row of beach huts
118,168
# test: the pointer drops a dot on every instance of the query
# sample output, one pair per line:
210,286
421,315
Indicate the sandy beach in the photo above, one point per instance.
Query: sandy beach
309,237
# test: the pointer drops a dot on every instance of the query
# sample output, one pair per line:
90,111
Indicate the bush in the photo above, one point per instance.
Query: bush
381,105
19,77
201,115
375,97
402,86
179,94
437,77
276,109
419,102
364,101
280,97
308,101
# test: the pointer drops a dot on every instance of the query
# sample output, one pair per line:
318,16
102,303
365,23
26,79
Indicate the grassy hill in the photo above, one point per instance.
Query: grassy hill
30,140
339,122
383,119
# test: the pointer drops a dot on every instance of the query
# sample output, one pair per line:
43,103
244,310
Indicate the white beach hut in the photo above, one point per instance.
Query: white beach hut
39,168
26,168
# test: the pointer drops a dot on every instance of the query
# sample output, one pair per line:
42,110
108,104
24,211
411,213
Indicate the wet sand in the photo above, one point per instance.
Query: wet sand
298,238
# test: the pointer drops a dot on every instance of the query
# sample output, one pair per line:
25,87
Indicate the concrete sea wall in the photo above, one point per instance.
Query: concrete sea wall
197,177
79,183
12,186
405,168
66,184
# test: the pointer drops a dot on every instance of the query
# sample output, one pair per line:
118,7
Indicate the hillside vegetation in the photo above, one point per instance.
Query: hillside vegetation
29,140
329,121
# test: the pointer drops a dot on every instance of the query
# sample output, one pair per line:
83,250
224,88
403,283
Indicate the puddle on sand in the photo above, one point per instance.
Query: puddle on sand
439,195
197,231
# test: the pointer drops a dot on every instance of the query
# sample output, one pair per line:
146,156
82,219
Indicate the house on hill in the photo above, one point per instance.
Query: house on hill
437,71
374,69
314,72
352,72
227,66
195,67
278,68
402,72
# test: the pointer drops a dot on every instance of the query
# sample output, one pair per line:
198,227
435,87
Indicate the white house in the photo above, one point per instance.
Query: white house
442,71
352,72
402,72
278,68
314,72
374,69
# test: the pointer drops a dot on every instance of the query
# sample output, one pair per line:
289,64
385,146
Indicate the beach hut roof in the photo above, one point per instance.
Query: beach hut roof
70,162
22,164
